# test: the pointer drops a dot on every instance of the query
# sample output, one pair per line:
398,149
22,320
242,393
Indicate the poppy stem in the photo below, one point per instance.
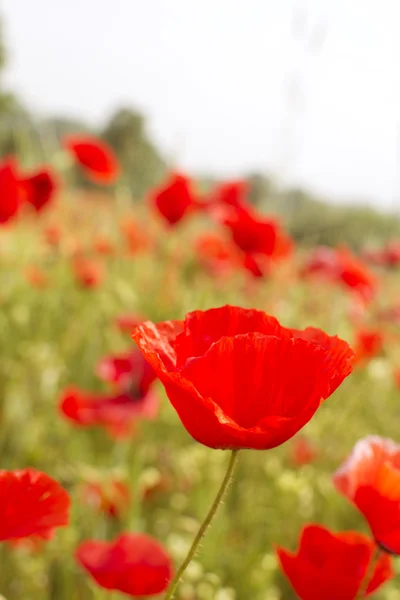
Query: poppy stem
206,523
362,590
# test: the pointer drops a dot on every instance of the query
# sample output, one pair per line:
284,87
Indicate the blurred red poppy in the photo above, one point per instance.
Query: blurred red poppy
370,478
129,370
207,361
302,452
216,254
231,193
39,188
136,237
53,234
368,344
110,497
118,413
10,192
134,564
258,237
31,503
391,254
333,566
36,277
355,274
96,157
88,272
175,198
103,245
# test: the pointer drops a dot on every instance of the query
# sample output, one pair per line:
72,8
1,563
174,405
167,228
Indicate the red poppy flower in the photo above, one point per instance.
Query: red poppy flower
238,379
39,188
333,566
31,503
109,497
103,245
174,199
118,413
231,193
129,370
302,452
256,235
368,344
134,564
355,274
88,273
370,478
391,254
255,266
321,261
36,277
216,254
136,237
95,157
52,235
10,192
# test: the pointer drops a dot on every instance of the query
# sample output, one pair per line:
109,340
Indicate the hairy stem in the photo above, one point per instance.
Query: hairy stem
205,525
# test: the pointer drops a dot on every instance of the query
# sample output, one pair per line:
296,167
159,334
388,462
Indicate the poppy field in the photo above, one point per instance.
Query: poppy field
192,405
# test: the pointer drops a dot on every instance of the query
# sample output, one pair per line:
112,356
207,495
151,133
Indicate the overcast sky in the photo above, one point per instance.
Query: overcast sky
309,90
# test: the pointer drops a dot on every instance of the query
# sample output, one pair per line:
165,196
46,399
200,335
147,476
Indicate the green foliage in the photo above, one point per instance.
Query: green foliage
142,164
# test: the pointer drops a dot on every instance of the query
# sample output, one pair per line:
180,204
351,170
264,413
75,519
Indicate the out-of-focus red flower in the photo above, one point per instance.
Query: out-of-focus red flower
31,503
321,261
217,254
103,245
36,277
175,198
134,564
355,274
333,566
10,192
109,497
391,254
52,234
137,239
88,272
370,478
95,157
126,323
253,233
118,413
340,265
368,344
256,266
231,193
39,188
207,361
302,452
129,370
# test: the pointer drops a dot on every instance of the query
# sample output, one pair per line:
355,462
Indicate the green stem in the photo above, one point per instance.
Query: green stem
362,590
205,525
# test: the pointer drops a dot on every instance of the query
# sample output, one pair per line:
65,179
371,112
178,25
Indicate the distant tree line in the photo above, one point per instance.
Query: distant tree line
308,219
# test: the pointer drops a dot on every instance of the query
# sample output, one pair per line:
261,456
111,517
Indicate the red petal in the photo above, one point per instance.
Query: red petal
134,564
95,156
31,503
157,343
203,328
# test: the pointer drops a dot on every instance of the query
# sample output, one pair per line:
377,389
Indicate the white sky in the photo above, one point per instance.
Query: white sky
213,78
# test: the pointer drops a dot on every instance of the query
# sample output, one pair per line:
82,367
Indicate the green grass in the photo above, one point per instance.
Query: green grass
53,337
